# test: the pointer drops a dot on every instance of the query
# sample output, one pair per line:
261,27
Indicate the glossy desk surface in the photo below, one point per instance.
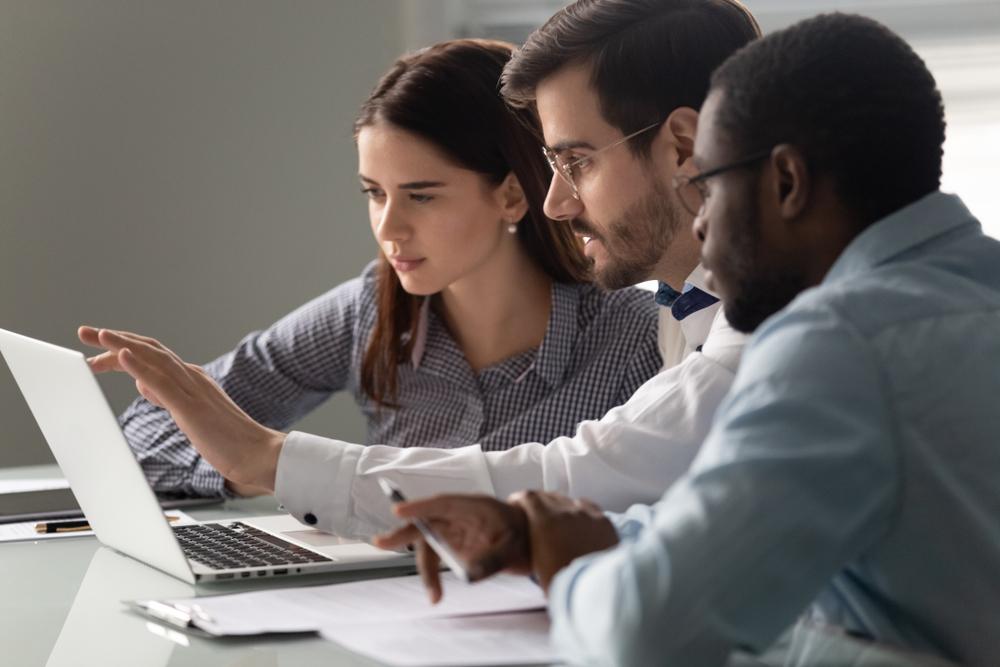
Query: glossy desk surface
61,605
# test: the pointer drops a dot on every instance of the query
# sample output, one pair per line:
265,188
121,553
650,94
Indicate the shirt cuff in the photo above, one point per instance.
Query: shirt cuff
313,480
630,524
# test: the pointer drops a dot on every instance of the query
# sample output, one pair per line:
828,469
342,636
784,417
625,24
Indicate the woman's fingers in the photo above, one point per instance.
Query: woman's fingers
151,378
104,362
156,370
88,336
115,340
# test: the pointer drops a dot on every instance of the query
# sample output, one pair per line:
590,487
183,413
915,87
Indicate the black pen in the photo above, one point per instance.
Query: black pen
62,526
70,526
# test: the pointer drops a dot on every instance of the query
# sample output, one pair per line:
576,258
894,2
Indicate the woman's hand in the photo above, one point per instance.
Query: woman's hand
242,450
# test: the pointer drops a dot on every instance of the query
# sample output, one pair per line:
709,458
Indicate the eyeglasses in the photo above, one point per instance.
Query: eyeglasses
691,190
566,169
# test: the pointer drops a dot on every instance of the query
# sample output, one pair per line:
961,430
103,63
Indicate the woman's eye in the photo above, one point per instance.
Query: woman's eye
372,193
420,199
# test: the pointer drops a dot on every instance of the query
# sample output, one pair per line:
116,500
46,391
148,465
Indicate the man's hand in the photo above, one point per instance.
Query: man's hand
562,529
487,535
535,532
244,451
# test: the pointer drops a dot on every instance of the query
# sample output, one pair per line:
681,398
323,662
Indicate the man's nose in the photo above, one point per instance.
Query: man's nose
560,204
699,227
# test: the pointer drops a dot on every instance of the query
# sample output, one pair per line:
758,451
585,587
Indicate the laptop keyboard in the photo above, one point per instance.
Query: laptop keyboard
238,545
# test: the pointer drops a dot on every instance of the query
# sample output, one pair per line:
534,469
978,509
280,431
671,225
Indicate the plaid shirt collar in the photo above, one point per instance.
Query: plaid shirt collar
436,352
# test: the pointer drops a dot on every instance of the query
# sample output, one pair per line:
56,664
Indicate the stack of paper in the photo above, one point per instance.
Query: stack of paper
518,638
498,621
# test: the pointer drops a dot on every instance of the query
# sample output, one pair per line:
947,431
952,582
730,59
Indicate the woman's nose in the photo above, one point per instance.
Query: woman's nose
390,224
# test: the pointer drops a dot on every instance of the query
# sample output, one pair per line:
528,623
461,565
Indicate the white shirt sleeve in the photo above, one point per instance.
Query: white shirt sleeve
631,455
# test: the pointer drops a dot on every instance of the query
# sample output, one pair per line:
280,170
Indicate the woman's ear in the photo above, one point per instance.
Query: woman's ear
511,198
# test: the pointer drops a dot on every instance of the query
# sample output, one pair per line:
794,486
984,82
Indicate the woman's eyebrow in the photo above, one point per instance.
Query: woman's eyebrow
412,185
420,185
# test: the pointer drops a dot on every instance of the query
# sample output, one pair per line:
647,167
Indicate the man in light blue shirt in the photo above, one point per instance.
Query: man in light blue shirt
854,469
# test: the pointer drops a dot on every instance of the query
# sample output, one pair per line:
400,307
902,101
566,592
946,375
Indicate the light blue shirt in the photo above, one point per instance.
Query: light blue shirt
854,470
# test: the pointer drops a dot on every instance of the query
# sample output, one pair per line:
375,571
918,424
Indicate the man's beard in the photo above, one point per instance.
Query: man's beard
636,241
760,287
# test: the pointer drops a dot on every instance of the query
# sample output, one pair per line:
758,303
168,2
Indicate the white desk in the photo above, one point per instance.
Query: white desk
60,605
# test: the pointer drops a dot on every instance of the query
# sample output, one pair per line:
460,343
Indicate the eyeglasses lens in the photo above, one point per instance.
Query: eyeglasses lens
690,196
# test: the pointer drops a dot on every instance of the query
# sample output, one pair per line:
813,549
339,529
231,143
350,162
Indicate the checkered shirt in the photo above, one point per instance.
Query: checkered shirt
599,347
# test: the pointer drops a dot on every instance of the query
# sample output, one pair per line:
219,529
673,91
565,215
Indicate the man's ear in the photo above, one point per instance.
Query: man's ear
677,133
792,185
513,202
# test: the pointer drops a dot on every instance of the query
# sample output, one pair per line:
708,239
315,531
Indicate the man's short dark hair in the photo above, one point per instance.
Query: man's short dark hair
849,93
647,57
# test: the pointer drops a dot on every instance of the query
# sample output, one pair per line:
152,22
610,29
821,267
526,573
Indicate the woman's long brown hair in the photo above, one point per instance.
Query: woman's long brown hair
449,95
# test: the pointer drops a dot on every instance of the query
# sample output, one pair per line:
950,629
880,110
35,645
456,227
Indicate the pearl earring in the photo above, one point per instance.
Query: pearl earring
512,228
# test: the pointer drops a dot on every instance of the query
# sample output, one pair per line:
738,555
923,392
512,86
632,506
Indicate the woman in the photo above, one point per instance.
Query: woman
476,324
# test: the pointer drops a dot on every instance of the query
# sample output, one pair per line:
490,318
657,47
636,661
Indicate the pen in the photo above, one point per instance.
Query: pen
62,526
432,539
77,526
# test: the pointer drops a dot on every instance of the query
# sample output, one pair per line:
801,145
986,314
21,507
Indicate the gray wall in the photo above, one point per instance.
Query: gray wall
183,169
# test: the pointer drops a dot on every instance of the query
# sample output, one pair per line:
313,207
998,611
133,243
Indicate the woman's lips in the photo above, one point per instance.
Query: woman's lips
405,264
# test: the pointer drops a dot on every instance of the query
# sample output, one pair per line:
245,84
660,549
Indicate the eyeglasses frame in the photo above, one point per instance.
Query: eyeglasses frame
682,180
565,169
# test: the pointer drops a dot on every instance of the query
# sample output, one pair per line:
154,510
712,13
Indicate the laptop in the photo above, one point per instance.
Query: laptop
90,448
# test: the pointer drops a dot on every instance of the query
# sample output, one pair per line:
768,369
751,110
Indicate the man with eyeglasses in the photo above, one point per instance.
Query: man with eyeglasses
851,472
615,147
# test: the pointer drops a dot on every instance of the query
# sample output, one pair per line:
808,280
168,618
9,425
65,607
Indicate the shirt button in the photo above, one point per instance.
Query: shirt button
310,518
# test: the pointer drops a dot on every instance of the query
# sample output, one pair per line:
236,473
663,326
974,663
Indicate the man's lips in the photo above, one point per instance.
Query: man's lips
582,229
708,276
584,232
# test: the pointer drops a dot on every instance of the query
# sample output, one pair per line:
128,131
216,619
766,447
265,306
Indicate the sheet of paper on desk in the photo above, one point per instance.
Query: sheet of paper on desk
22,485
381,601
25,530
519,638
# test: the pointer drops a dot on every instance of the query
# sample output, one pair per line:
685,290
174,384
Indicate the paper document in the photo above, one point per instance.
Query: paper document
22,485
25,530
518,638
380,601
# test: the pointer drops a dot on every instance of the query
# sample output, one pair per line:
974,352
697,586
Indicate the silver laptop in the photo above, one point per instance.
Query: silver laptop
89,446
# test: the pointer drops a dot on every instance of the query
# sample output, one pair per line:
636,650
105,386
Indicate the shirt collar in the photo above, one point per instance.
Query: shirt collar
560,335
556,348
914,224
